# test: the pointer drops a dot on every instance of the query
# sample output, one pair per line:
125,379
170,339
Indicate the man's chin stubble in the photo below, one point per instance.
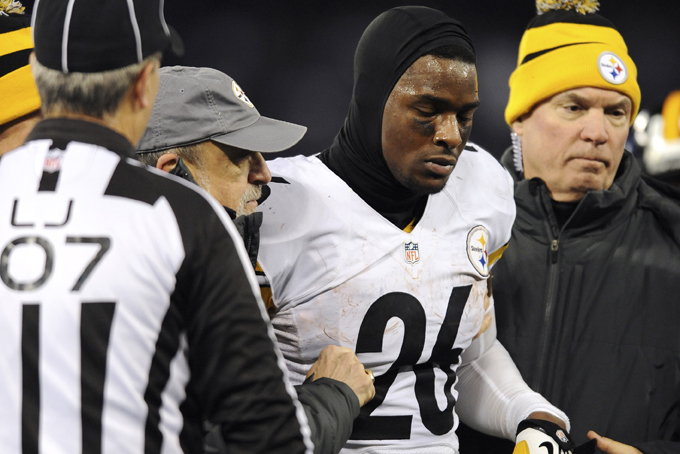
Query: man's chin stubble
252,192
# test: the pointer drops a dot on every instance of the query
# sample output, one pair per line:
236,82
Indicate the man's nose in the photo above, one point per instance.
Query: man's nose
447,133
259,171
595,127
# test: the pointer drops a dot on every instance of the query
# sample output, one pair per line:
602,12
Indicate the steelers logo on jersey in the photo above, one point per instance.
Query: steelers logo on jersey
612,68
477,240
240,94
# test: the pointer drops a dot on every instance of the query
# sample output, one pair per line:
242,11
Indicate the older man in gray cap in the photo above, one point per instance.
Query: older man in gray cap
206,130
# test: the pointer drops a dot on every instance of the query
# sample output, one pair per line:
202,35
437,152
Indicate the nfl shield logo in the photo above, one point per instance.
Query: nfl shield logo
53,161
411,254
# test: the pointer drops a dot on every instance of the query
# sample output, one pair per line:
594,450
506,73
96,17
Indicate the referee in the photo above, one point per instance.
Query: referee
128,309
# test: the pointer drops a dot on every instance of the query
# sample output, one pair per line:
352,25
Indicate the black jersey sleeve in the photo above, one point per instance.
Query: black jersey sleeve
331,407
236,378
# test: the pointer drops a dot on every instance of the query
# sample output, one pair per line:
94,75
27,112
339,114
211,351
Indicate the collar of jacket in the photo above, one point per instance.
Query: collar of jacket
595,210
248,227
230,212
64,130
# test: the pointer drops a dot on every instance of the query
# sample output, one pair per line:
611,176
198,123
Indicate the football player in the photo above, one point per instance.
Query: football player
383,244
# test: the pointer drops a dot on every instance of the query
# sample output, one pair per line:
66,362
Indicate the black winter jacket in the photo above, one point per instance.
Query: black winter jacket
590,312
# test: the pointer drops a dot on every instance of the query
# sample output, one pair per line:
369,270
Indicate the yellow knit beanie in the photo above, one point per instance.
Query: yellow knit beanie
19,93
569,46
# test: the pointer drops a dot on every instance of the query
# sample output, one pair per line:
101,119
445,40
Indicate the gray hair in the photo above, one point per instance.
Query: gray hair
92,94
190,154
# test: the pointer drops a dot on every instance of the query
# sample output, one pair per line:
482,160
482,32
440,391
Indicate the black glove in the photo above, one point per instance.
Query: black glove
538,436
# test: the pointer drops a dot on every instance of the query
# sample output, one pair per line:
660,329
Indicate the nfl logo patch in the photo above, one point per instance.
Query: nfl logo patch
562,436
53,161
411,253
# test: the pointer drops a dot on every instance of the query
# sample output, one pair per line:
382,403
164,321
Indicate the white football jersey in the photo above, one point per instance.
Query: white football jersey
407,303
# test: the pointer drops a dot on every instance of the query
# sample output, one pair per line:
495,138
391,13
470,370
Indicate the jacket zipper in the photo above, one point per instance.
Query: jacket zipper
548,315
554,231
554,249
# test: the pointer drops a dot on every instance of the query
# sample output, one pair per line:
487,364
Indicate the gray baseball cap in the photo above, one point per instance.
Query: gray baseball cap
199,104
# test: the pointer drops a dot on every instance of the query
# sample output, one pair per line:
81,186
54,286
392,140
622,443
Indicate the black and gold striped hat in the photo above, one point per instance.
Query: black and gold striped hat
19,94
569,46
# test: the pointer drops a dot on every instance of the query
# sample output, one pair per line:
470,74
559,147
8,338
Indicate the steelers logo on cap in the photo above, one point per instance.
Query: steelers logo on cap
612,68
240,94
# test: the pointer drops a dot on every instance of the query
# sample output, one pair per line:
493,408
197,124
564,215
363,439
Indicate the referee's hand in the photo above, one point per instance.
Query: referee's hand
340,363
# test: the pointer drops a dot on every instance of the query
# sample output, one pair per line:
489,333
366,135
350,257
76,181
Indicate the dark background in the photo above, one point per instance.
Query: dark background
294,58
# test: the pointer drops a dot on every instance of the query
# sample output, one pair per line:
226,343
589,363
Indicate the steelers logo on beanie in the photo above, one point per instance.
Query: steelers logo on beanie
568,45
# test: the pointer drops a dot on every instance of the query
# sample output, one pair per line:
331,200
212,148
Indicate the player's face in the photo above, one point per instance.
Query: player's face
232,175
427,121
574,141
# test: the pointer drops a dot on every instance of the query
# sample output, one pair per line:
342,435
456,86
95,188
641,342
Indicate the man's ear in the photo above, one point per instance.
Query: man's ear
144,96
518,126
167,162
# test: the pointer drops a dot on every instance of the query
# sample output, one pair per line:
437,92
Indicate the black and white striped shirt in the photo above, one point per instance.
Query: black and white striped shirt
128,309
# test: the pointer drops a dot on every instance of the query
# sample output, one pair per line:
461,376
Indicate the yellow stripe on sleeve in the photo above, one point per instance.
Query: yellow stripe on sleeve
497,254
267,297
265,290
